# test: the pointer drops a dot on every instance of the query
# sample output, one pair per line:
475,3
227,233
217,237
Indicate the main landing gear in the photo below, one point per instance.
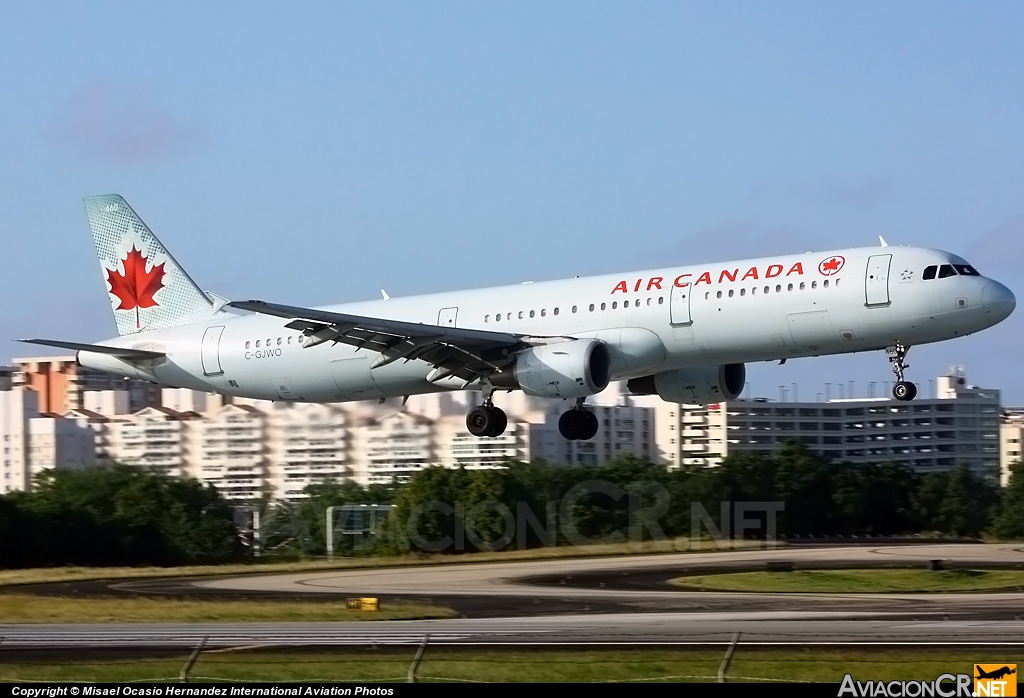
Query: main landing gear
902,390
486,419
578,424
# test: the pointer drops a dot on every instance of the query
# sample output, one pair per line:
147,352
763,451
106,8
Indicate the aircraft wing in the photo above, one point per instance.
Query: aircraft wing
454,351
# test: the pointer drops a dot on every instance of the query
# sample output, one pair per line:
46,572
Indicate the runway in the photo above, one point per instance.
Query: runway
610,600
778,628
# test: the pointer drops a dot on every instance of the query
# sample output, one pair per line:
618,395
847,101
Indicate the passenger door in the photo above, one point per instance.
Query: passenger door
210,353
876,280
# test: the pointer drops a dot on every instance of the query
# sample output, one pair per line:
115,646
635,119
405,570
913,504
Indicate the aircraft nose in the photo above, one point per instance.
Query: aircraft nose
998,300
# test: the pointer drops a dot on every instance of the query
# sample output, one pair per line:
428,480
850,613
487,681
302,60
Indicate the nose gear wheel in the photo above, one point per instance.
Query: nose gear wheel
902,390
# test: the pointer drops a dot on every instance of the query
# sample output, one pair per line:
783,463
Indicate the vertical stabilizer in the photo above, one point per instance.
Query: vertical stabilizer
147,288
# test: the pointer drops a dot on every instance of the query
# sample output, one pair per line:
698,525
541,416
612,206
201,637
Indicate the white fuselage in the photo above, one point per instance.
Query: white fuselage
652,321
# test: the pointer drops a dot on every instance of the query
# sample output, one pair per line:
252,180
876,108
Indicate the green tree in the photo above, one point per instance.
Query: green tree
1009,523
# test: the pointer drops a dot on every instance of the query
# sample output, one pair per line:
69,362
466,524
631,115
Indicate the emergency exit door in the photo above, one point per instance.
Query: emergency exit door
679,304
876,280
447,317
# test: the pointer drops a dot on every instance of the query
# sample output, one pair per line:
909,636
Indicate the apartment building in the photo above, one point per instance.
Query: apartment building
61,384
958,426
1011,436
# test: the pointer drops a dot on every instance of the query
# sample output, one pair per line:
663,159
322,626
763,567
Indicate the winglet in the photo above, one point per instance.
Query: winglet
882,241
385,294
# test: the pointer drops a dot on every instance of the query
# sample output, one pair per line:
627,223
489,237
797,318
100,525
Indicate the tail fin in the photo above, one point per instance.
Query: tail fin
147,288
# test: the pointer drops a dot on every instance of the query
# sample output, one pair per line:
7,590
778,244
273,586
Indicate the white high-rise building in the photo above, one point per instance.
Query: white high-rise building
306,444
17,407
153,437
1011,437
391,448
225,447
34,442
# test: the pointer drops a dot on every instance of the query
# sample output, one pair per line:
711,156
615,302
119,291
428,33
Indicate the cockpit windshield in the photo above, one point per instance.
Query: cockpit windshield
945,271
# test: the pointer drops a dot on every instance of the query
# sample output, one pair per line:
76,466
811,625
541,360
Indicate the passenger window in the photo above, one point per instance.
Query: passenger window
790,288
802,285
661,300
946,270
743,291
778,288
753,291
497,318
603,306
966,270
574,309
257,344
767,289
289,339
814,284
487,318
508,316
268,342
591,307
532,313
543,312
718,295
615,305
648,301
730,293
825,283
278,341
247,345
556,311
929,272
520,314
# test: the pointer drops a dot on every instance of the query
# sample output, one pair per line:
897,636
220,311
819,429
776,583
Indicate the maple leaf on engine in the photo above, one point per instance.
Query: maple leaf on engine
136,286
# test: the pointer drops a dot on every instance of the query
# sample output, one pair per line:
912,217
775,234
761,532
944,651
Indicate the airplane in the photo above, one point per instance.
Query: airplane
684,333
995,674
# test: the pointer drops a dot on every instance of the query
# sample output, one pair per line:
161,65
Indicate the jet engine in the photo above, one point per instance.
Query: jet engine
569,369
696,386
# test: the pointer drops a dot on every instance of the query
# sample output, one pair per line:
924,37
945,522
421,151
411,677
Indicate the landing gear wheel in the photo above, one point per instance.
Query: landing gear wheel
904,391
591,428
480,421
500,421
486,420
572,424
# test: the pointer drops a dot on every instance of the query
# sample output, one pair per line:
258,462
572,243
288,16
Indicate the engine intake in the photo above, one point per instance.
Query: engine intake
694,386
569,369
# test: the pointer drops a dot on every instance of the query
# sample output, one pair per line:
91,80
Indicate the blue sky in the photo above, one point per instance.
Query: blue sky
313,154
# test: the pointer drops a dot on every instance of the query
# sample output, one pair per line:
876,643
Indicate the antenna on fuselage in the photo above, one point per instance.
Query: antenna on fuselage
882,241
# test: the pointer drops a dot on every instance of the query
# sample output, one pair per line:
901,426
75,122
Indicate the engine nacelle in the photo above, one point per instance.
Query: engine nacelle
694,386
573,368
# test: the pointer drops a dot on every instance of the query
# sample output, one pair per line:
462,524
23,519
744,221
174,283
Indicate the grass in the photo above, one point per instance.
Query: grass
46,575
509,664
858,581
24,608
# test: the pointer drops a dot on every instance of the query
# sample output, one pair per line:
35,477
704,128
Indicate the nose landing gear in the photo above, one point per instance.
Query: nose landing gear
578,424
486,419
902,390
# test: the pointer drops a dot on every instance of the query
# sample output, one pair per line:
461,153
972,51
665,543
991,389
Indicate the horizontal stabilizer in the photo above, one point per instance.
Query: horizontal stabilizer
119,352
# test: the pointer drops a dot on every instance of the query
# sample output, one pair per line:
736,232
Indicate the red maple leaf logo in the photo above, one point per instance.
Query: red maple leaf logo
136,286
830,266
